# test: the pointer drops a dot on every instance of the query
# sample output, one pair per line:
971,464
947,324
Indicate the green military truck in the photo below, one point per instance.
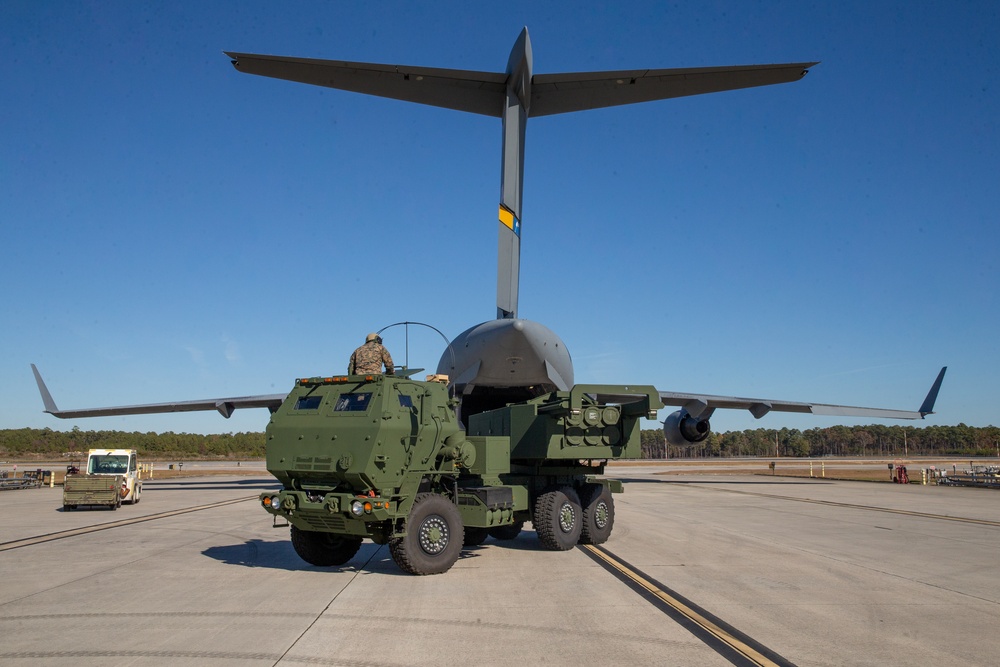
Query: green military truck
385,458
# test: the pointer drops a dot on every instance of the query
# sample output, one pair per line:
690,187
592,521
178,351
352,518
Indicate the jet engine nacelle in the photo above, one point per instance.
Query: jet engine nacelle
681,429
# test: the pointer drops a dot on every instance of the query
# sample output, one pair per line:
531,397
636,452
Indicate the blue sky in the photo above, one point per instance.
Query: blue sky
172,229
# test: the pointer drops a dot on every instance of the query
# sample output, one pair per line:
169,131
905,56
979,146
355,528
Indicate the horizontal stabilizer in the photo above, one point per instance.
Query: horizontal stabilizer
562,93
462,90
485,92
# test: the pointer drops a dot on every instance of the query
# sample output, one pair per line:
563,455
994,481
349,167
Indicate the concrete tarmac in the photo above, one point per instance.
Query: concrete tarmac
818,572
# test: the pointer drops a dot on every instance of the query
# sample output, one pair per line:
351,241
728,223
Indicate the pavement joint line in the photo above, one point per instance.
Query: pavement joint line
84,530
736,641
871,508
315,620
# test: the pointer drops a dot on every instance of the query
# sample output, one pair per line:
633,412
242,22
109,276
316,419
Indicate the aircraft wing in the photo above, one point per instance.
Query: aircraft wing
485,92
702,405
224,406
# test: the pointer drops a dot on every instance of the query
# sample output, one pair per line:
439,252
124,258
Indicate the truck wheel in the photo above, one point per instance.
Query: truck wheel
598,514
558,519
433,539
475,536
508,532
324,549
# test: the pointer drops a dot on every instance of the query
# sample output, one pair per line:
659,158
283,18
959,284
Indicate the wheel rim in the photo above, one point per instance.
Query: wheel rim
567,517
601,515
433,535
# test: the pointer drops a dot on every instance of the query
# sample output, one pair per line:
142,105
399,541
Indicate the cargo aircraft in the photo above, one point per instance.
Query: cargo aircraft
512,359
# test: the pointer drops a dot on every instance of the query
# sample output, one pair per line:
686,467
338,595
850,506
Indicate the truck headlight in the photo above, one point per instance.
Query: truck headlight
275,503
357,508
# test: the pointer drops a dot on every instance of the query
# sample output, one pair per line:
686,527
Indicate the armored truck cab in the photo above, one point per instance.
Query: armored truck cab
384,457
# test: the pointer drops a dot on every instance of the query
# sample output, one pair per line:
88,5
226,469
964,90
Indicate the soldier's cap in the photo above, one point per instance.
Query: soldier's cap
370,337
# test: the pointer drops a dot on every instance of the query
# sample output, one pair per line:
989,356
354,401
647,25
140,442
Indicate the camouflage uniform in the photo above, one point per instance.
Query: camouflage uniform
368,359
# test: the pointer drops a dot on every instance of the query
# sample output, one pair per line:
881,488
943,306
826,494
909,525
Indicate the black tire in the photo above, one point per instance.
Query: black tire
324,549
558,519
508,532
598,514
475,536
434,536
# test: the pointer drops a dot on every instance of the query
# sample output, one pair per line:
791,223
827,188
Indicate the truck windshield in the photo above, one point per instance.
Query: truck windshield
105,463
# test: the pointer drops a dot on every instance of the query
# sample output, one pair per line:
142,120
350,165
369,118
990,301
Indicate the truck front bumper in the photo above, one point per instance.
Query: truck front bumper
340,513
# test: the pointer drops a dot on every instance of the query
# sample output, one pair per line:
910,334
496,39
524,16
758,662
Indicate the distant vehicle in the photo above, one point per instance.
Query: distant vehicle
111,478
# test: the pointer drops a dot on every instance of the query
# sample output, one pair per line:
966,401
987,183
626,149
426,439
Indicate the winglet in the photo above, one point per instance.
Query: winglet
927,407
50,405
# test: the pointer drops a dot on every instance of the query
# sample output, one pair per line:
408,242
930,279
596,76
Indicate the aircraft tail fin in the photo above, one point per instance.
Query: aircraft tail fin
514,95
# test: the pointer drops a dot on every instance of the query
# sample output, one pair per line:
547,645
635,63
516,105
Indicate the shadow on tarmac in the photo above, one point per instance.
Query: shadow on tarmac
279,555
85,508
201,483
526,541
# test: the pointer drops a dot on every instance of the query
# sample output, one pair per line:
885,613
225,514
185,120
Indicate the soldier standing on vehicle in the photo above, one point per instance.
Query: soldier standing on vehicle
370,357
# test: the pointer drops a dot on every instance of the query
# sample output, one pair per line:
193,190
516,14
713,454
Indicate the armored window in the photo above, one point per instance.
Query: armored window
308,402
405,401
353,402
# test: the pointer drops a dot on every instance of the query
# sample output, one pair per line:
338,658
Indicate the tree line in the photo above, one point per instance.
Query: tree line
872,440
26,443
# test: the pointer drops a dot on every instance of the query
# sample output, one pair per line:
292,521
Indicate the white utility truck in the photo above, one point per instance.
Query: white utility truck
111,478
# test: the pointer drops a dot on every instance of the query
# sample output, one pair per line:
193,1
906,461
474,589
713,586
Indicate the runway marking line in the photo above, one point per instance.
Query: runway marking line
726,640
84,530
